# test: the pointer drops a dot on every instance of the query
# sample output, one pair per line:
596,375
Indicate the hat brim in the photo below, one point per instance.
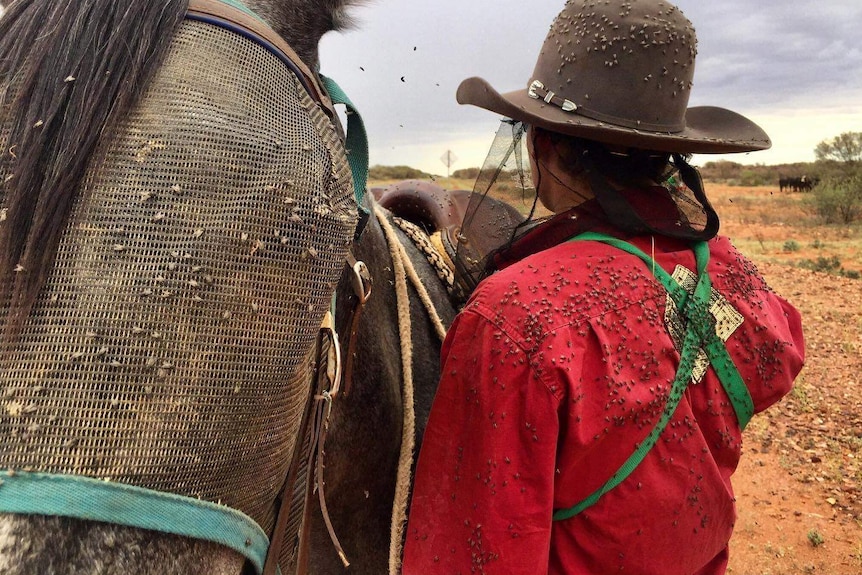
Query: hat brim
708,130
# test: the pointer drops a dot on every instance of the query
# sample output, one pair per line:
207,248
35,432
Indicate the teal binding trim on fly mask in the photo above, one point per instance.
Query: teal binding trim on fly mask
357,141
357,138
97,500
699,334
240,6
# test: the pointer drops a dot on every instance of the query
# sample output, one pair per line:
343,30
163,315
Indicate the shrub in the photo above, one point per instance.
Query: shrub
839,200
830,266
791,246
822,264
815,538
754,177
466,174
396,173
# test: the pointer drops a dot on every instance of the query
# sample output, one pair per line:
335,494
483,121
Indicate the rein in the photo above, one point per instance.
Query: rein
323,397
404,270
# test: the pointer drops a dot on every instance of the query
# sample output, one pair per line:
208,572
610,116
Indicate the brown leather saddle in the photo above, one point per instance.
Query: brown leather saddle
440,214
424,203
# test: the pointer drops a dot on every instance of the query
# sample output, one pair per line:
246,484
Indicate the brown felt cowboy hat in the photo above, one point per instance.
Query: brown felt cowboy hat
620,72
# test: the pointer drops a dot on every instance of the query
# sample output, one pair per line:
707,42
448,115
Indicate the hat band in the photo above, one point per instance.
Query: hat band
537,91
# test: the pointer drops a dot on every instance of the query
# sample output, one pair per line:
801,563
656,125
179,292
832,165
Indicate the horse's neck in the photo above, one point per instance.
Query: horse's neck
302,23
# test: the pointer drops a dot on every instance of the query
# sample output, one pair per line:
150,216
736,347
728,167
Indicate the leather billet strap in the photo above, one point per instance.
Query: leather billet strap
699,334
361,282
237,18
326,383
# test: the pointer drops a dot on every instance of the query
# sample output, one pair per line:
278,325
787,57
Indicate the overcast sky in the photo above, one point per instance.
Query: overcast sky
792,66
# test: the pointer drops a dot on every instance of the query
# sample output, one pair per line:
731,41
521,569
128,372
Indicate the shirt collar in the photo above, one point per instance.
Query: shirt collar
651,204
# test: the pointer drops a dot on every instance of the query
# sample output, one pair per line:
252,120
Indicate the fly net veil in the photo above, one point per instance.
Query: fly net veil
504,206
170,348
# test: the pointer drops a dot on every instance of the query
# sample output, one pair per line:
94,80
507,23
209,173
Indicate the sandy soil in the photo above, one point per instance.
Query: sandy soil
799,485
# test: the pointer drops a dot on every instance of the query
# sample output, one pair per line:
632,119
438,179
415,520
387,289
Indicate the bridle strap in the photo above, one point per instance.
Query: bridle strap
361,282
328,382
235,16
326,389
270,566
93,499
356,143
312,432
316,454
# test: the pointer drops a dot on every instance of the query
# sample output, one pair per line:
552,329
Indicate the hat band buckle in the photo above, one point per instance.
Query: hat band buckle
550,97
538,91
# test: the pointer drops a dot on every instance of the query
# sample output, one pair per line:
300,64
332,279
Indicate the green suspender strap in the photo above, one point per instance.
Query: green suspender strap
699,334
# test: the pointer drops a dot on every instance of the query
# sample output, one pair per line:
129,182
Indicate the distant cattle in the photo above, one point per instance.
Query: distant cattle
797,184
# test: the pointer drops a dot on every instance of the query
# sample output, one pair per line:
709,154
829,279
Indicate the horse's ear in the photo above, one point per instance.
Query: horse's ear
342,17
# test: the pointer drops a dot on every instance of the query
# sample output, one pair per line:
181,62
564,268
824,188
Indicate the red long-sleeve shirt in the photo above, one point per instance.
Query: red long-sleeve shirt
552,374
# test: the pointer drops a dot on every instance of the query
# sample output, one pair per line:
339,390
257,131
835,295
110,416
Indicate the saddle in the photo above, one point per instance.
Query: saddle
431,217
425,204
430,214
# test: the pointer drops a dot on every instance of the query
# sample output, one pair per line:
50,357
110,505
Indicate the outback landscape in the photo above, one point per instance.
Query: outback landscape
799,485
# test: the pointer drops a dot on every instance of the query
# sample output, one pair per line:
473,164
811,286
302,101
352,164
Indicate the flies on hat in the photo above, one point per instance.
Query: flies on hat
620,73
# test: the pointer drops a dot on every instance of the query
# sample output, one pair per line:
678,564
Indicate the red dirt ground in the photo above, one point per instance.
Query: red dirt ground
799,484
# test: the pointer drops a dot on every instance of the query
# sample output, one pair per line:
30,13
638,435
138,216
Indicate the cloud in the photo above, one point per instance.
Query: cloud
791,65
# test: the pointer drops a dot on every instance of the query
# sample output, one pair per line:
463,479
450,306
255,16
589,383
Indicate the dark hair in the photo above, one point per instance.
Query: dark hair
68,70
629,167
633,168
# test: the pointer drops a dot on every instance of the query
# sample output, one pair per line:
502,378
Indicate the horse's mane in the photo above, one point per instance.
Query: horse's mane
68,70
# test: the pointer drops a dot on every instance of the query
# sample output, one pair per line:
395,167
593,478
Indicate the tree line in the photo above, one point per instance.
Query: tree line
833,181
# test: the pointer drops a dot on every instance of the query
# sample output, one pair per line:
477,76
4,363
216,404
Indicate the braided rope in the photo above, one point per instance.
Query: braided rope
403,270
437,258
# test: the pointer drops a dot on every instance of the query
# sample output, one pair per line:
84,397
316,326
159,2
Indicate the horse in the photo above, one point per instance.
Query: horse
119,50
368,466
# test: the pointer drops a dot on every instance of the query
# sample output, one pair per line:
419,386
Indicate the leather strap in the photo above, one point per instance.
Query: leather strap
271,567
326,386
247,24
361,283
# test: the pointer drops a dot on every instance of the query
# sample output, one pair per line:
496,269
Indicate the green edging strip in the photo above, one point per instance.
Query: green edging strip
240,6
96,500
699,333
357,140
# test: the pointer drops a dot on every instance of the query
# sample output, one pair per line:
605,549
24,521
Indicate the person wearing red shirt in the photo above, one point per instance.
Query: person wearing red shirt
595,386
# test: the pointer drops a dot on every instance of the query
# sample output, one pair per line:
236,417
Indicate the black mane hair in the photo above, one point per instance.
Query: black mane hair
68,69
